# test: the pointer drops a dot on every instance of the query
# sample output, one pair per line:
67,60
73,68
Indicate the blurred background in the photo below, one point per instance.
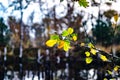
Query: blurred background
25,26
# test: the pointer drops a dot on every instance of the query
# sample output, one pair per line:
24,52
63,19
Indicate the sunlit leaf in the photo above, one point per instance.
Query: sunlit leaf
93,51
83,3
65,33
104,58
87,53
70,30
109,72
105,79
116,17
66,46
88,60
74,38
51,43
90,45
116,68
61,44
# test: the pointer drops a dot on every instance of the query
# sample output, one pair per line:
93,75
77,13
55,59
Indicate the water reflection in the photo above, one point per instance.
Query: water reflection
58,66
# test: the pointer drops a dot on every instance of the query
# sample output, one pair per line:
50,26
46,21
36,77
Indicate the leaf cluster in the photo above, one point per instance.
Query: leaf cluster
62,40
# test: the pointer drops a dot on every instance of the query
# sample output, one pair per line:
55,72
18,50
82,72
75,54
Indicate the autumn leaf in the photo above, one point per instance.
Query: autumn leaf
116,68
104,58
93,51
61,44
90,45
51,43
88,60
70,30
87,53
116,17
74,38
66,46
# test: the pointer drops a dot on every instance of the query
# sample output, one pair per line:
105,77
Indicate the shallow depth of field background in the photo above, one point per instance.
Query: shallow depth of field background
25,26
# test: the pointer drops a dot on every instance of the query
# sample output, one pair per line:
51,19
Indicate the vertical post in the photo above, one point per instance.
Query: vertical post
21,30
67,65
21,40
5,59
47,66
38,63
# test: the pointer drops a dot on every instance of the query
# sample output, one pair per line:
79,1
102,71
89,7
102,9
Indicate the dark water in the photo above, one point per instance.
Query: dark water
50,67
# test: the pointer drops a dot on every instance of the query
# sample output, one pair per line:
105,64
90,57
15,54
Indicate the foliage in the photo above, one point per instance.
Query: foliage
63,40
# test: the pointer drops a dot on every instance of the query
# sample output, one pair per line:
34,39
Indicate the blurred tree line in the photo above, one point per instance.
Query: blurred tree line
16,33
102,31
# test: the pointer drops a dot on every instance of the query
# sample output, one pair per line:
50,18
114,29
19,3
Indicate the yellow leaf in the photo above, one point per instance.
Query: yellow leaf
103,57
91,45
74,38
116,17
61,44
109,72
88,60
51,43
82,44
93,51
87,54
70,30
105,79
116,68
66,46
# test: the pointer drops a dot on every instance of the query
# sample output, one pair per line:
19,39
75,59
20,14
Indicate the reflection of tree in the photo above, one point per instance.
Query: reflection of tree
4,34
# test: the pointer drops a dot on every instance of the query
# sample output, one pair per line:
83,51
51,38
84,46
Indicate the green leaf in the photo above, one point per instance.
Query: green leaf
83,3
54,37
65,33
